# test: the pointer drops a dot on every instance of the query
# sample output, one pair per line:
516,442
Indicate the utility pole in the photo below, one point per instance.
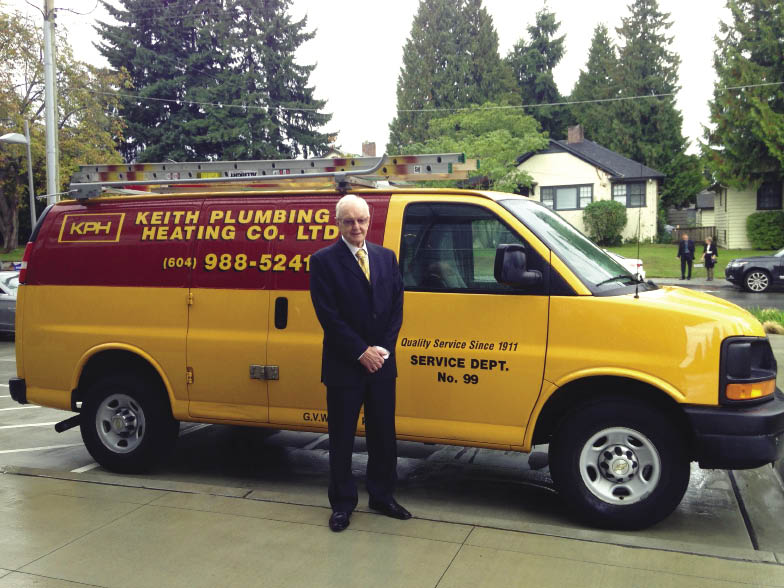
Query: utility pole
50,99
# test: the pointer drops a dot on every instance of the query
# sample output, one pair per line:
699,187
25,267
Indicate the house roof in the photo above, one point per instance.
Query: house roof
705,199
615,164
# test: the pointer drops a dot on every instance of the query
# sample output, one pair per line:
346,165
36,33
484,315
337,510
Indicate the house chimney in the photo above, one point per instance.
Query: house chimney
575,134
368,149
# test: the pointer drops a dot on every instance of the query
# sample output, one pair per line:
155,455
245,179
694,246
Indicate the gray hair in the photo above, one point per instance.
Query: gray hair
350,199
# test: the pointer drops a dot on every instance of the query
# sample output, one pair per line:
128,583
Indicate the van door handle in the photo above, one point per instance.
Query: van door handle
281,312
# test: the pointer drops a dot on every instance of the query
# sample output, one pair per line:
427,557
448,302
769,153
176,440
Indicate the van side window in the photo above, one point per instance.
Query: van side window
451,247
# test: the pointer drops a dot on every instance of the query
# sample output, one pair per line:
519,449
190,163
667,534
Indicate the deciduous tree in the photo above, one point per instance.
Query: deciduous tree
86,117
496,136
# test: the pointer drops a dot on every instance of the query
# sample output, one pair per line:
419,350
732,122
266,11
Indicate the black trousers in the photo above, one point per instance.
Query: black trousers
343,404
684,263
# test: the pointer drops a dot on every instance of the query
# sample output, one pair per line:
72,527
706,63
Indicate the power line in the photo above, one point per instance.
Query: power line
78,13
573,102
500,107
213,104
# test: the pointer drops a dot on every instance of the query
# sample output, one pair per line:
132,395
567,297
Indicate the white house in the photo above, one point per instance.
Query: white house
569,175
732,207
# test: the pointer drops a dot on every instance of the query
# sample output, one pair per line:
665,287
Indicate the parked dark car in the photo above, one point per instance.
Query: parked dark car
757,274
9,283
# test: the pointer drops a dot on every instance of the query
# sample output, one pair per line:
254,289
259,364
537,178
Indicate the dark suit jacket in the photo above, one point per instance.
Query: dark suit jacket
356,314
686,249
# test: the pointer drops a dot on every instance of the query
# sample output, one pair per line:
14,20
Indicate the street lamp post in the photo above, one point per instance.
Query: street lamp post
20,139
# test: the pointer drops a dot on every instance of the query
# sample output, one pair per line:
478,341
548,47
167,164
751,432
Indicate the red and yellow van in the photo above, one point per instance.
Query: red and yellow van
140,311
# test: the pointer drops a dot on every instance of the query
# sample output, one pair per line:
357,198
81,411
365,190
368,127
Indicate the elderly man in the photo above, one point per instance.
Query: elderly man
686,253
357,292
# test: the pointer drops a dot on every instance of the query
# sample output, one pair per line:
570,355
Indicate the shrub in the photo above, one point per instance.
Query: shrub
766,229
605,220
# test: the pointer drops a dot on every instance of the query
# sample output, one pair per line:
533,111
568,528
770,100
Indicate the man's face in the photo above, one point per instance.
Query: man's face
353,223
685,237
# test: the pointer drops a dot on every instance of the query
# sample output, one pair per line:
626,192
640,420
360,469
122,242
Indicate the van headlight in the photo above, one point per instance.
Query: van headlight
747,370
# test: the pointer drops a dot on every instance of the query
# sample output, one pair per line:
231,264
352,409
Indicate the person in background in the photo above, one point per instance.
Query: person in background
686,253
710,253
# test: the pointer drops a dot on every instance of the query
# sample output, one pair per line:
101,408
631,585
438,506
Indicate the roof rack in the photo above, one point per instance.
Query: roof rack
340,173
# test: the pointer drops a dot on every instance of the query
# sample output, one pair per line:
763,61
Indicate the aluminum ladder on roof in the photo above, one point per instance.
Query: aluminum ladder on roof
91,180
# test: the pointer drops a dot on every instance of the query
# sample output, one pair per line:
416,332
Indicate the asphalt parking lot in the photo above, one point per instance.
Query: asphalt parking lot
735,515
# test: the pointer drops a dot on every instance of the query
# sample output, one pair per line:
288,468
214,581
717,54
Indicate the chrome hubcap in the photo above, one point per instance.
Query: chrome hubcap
757,281
120,423
620,465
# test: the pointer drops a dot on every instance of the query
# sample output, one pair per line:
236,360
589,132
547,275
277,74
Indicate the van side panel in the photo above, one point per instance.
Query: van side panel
98,275
298,397
61,326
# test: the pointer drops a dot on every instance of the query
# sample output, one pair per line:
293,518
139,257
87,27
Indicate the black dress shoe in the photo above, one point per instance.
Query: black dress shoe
390,509
338,521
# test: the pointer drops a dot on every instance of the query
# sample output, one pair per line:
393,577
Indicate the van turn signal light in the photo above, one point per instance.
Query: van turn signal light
750,391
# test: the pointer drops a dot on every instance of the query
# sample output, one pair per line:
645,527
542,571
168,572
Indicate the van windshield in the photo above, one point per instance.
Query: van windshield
587,260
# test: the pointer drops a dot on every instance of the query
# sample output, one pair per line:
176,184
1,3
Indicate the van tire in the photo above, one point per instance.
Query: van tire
127,424
640,447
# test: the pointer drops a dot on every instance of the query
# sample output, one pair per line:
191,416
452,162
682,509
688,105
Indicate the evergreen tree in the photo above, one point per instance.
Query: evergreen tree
647,126
746,144
597,82
450,60
532,64
217,79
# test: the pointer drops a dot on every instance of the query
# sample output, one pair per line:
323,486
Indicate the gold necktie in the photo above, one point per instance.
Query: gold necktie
363,264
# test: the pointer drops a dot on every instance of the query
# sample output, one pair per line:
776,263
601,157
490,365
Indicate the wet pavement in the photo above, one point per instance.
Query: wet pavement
243,505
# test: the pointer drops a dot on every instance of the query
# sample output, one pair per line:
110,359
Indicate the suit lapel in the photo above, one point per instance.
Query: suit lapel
375,264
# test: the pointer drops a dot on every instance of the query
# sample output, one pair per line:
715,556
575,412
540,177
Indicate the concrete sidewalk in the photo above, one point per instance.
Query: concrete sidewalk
88,530
695,282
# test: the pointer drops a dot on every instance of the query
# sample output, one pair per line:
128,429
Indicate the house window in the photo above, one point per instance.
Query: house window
769,196
630,195
567,197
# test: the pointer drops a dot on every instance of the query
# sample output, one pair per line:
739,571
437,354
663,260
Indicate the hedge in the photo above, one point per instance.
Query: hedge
605,220
766,229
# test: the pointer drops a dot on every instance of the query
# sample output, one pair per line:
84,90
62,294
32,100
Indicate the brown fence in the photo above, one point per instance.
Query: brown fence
696,234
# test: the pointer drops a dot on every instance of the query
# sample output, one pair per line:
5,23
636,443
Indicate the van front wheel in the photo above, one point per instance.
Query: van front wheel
619,464
127,423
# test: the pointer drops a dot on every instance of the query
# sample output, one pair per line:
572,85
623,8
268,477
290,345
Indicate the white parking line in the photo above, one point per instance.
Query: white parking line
7,359
29,425
5,396
188,431
20,407
41,448
87,468
194,428
3,385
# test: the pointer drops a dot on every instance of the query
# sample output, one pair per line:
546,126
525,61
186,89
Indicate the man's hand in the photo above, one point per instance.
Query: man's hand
372,360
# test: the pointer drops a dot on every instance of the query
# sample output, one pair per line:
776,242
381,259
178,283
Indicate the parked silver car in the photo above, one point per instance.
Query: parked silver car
9,283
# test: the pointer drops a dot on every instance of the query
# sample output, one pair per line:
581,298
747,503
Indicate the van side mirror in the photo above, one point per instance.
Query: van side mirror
510,267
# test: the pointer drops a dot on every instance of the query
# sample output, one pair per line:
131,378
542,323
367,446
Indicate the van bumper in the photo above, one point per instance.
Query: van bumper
738,438
18,390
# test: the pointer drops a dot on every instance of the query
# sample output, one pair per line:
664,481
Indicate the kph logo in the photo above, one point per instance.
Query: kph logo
93,228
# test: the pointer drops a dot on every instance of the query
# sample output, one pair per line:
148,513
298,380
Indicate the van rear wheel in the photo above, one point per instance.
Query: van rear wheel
126,424
619,464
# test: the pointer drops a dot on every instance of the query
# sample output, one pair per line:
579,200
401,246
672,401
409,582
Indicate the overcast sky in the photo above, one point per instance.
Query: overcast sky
358,51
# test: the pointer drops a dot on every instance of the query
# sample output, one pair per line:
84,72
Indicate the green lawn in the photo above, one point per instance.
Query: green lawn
13,255
659,261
